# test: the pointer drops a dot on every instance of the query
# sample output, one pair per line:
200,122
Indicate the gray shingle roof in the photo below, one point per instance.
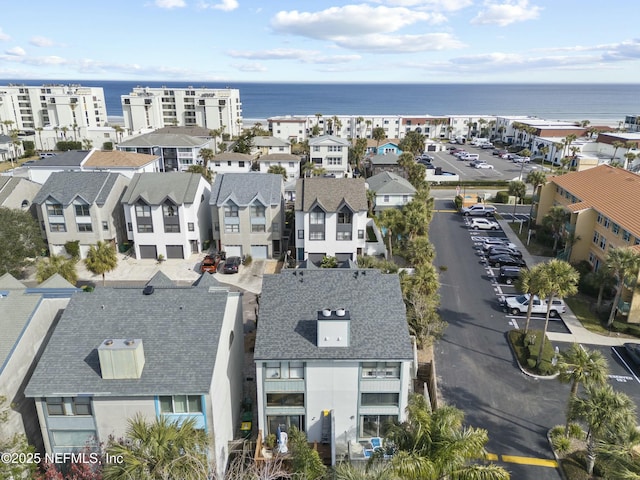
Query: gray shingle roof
328,140
289,306
163,140
385,159
93,187
330,193
155,187
232,156
7,185
179,328
243,188
390,183
279,157
72,158
262,141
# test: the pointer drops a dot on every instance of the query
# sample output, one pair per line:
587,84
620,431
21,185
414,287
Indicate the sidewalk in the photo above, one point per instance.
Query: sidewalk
579,334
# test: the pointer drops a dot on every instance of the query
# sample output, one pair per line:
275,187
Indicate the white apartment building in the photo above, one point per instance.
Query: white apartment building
147,108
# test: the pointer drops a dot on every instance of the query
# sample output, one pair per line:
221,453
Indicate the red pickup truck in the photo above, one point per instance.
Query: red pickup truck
210,263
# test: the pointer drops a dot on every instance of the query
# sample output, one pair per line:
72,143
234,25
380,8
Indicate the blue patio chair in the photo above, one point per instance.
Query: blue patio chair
376,443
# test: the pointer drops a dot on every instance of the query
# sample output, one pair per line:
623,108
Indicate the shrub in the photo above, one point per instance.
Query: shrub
502,196
107,146
557,431
527,201
248,259
73,248
458,202
526,350
561,444
63,146
576,431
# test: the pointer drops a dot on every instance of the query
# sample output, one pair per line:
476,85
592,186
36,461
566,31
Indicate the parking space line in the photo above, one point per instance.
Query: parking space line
625,363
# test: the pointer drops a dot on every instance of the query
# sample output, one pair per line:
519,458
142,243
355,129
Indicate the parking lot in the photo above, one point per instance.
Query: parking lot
503,169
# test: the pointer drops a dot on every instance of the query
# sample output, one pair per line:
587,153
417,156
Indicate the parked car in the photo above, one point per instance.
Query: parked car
503,250
499,152
210,263
232,265
507,156
425,156
494,241
633,350
508,275
484,165
519,159
426,163
520,304
504,260
484,224
479,210
486,146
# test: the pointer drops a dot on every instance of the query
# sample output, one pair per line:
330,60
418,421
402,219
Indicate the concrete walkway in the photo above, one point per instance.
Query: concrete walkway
579,334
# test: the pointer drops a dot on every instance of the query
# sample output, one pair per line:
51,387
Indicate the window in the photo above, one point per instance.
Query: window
592,258
241,164
275,227
73,438
143,211
316,224
57,227
171,228
335,148
596,237
232,228
169,210
129,226
145,228
316,148
343,235
81,406
374,425
301,234
105,226
258,227
334,161
380,370
380,399
181,404
626,236
55,406
54,210
405,198
85,227
285,399
360,234
615,228
607,222
385,198
230,210
82,210
278,370
191,226
229,163
603,242
344,216
258,210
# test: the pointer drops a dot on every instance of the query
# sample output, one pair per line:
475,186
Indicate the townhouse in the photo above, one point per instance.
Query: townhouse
231,162
177,152
291,164
26,317
17,193
247,214
600,215
83,207
262,145
158,351
333,355
330,153
331,218
167,214
146,108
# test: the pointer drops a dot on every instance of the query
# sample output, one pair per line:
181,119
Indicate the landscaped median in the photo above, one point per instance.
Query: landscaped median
525,347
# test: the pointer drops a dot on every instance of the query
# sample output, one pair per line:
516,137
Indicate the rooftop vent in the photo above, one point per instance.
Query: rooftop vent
340,312
148,290
326,312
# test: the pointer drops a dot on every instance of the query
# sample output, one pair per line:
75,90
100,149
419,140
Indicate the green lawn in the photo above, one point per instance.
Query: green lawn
534,248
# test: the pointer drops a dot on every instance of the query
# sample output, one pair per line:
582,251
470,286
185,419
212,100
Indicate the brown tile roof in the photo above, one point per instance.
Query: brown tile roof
613,192
117,158
330,193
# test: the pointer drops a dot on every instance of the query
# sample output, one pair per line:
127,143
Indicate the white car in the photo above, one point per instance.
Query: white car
483,165
483,224
519,159
520,304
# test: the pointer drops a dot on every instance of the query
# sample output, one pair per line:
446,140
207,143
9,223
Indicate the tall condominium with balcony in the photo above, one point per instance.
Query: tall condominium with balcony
152,108
70,106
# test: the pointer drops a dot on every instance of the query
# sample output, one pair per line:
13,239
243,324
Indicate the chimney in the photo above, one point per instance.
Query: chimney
121,358
334,328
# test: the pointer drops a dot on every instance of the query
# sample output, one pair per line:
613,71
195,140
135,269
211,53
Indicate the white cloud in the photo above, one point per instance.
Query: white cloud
4,37
169,4
16,51
401,43
227,5
504,14
349,21
41,41
446,5
304,56
249,67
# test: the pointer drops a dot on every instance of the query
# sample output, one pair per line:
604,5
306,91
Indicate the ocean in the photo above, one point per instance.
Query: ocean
598,103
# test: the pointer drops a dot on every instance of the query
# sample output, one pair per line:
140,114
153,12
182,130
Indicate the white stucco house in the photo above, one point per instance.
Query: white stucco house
167,214
165,351
391,191
231,162
331,218
333,355
331,153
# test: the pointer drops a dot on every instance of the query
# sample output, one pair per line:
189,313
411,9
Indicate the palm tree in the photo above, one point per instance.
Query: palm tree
616,145
206,154
278,170
544,150
436,444
555,219
39,130
206,173
215,133
529,283
65,267
87,143
629,157
605,412
119,131
623,263
378,135
373,471
518,189
160,450
535,178
101,258
558,280
393,220
368,124
577,365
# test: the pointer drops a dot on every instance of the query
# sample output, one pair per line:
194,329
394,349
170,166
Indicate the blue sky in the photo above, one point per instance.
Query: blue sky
414,41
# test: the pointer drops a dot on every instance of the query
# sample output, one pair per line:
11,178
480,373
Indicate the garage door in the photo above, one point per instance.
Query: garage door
148,251
233,250
259,251
174,251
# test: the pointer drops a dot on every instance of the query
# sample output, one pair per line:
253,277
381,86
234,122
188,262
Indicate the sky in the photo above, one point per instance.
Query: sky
410,41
